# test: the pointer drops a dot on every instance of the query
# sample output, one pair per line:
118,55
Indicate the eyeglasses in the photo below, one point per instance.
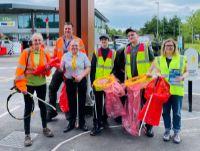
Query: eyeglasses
132,35
37,40
169,46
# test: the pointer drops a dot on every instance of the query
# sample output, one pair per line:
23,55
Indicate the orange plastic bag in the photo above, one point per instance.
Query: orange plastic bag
63,99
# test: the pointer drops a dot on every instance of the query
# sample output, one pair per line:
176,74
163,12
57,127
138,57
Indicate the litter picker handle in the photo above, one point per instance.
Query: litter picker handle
42,101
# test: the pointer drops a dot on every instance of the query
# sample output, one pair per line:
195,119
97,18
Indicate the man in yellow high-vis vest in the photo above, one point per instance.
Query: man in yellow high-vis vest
132,61
101,65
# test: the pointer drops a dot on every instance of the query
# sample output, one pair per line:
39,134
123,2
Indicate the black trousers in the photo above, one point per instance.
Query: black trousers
56,81
41,93
71,88
100,118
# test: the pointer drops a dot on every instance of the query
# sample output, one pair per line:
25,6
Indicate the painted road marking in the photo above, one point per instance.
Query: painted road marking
15,108
6,79
76,136
7,68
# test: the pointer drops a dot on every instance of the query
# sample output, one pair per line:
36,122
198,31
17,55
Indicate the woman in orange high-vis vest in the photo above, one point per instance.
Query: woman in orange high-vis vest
63,45
26,81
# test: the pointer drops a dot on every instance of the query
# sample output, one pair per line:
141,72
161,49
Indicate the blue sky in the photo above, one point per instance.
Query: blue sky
132,13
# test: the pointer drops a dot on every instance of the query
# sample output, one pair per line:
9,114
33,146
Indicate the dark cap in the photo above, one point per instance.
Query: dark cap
129,30
104,36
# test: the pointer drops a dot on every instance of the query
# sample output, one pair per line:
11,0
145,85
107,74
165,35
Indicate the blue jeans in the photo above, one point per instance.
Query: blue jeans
174,103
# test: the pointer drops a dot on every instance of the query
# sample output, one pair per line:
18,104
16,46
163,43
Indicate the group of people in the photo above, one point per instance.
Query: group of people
74,68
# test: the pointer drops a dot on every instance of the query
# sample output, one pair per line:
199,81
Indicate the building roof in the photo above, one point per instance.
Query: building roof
101,16
23,8
10,8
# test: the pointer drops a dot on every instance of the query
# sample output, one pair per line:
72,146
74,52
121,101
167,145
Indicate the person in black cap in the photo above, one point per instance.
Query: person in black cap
135,64
101,65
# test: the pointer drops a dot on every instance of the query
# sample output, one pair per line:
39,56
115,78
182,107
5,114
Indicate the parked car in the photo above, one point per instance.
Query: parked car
11,47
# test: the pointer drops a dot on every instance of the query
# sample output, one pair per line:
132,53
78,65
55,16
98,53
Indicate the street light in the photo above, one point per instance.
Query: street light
157,2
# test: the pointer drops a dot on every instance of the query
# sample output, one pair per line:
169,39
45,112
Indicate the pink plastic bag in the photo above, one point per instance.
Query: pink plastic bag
114,107
132,107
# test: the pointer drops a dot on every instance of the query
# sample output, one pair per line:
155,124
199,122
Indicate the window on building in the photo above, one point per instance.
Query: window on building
24,21
40,20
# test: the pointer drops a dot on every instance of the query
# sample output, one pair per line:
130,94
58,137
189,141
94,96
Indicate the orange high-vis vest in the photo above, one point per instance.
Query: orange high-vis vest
27,58
58,50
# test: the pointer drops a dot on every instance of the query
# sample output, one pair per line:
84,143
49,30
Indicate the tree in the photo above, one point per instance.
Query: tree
112,32
150,27
166,28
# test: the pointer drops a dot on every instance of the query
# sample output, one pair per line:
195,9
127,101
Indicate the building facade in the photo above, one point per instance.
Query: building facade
19,21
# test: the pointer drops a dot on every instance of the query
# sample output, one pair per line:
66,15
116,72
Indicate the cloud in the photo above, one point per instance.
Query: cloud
126,13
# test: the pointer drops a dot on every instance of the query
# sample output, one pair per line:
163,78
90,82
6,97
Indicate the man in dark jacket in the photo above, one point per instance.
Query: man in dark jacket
137,68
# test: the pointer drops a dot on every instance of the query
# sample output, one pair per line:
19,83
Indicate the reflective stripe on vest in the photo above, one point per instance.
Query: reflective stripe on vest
177,62
104,68
142,60
21,66
20,77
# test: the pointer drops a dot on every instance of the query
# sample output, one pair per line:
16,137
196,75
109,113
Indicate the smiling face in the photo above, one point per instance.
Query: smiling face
37,42
133,37
74,47
68,30
169,48
104,42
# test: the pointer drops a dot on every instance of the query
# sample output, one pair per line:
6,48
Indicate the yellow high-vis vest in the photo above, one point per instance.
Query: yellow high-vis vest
142,60
177,63
104,68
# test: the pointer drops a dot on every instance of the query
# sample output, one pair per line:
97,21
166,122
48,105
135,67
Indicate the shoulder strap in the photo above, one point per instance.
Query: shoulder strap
29,52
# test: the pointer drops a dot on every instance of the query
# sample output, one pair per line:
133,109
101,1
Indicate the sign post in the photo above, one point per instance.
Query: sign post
180,43
192,64
47,30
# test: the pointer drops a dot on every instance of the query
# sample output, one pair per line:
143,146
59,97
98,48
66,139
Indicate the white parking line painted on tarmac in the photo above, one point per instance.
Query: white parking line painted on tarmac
4,80
4,114
6,68
76,136
60,144
198,94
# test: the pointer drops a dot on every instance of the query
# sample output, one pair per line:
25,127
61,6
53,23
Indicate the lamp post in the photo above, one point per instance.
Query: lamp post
192,19
157,2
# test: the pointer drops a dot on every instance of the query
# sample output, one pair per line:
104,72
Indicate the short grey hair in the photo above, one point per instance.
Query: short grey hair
37,35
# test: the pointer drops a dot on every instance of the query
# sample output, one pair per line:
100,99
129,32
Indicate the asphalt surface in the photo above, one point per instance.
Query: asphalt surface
114,138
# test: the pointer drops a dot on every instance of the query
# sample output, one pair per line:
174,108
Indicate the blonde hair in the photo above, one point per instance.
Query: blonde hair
39,35
175,52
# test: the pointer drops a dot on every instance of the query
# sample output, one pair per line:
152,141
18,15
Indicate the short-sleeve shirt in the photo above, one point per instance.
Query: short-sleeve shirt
82,62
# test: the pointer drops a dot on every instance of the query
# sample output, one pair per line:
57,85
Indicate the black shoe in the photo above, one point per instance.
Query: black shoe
68,128
84,128
118,120
95,131
105,124
50,115
149,132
